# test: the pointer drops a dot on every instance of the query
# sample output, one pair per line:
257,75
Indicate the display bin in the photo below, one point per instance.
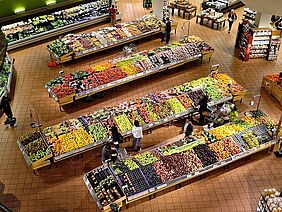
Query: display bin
277,92
267,84
44,161
66,100
238,96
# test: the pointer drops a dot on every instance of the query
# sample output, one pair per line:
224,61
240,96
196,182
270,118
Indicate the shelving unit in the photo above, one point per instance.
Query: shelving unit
9,67
257,42
43,27
249,15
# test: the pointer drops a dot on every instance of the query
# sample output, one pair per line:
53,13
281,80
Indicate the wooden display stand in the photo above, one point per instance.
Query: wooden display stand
267,84
66,100
277,93
273,88
239,96
42,162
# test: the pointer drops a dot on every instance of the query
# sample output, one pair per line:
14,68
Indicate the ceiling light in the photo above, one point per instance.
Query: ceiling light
49,2
19,10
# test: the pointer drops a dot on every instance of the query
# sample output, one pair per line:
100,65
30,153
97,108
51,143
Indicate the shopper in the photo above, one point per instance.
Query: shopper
137,135
163,27
106,153
167,31
203,109
188,128
232,17
114,154
5,105
116,137
113,14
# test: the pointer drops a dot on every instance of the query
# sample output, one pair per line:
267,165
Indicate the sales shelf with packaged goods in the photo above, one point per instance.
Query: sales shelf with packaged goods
257,42
42,27
75,136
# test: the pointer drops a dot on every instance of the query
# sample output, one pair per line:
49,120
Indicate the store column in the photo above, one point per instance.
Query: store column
262,20
160,8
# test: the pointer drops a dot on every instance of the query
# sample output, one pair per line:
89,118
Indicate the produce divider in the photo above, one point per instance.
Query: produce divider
171,164
90,131
66,89
45,26
72,46
6,75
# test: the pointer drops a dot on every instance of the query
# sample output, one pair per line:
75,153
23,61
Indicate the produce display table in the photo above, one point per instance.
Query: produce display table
42,27
170,164
223,6
72,47
87,132
6,75
186,8
213,17
272,84
42,155
124,70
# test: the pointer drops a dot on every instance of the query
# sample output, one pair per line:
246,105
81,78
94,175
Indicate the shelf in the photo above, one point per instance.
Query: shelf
10,77
56,32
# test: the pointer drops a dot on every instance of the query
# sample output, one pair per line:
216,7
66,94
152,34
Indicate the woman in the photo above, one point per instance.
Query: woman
231,18
116,136
137,135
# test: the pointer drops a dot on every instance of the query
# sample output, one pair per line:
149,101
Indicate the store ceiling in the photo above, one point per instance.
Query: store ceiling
8,7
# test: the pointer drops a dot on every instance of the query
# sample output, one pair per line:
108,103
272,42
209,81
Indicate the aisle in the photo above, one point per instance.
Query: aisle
62,188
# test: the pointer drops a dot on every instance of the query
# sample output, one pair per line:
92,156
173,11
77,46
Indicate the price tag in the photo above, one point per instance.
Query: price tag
165,120
152,124
188,176
177,115
152,189
157,123
161,186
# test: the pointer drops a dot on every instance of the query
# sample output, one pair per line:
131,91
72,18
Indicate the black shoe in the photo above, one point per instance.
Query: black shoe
138,149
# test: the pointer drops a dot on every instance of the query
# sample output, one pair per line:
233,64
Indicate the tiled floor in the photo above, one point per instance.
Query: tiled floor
62,189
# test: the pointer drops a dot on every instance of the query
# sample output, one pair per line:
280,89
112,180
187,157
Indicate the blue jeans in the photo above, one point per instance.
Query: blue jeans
138,140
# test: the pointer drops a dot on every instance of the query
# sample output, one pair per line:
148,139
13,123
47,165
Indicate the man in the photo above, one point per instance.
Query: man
188,128
106,153
231,18
167,31
5,105
113,14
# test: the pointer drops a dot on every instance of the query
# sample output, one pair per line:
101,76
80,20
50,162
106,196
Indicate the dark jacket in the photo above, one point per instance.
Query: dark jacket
168,27
5,106
232,17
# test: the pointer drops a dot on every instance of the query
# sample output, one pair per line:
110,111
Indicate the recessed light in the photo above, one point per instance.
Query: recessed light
19,10
49,2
